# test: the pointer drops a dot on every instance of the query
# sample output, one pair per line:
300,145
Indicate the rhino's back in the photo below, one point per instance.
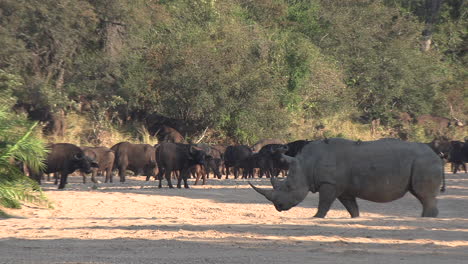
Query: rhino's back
379,171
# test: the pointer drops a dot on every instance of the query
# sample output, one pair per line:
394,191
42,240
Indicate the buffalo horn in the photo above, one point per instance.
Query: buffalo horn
267,193
78,156
288,159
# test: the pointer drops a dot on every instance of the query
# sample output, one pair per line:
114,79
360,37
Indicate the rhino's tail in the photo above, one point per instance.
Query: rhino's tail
442,189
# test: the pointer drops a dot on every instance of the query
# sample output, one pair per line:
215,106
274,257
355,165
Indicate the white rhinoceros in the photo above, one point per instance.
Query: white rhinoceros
379,171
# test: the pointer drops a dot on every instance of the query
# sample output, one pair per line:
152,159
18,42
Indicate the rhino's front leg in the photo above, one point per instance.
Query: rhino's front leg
327,194
350,204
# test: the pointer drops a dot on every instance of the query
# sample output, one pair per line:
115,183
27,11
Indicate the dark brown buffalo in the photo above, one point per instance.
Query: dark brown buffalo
202,171
104,157
233,155
169,134
64,158
139,158
221,150
257,146
175,156
295,147
214,161
252,162
271,154
457,156
441,146
437,124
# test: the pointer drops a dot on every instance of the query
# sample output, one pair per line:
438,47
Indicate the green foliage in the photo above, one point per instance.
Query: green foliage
17,144
249,69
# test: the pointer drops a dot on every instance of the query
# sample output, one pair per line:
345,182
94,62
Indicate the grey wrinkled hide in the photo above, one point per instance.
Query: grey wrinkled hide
378,171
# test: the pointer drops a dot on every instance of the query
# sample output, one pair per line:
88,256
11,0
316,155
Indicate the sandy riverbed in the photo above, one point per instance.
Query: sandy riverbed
226,222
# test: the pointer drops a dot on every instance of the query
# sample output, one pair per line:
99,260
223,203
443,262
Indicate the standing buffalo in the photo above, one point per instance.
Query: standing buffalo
457,156
214,161
104,157
272,159
139,158
441,146
202,171
378,171
257,146
436,124
169,134
64,158
233,155
295,147
175,156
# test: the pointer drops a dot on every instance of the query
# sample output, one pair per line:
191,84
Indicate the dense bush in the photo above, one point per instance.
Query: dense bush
247,69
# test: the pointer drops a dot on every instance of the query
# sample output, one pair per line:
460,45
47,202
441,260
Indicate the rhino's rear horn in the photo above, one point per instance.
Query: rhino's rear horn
274,182
267,193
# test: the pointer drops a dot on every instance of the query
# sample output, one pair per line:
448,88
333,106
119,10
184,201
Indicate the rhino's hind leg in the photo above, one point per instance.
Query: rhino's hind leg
350,204
327,195
429,204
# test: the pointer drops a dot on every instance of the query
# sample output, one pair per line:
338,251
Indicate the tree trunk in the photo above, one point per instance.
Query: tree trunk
432,13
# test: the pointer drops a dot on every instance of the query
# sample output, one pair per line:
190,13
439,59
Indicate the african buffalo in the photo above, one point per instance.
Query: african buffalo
64,158
233,155
169,134
457,156
257,146
295,147
215,160
378,171
271,154
437,124
104,157
441,146
202,171
139,158
255,161
176,156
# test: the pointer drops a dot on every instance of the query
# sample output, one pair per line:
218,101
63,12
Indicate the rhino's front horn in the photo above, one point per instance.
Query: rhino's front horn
267,193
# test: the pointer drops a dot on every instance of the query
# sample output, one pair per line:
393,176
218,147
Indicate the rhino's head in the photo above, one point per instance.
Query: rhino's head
290,192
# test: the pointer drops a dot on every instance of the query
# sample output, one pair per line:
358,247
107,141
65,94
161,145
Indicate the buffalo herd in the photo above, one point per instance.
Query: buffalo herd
175,160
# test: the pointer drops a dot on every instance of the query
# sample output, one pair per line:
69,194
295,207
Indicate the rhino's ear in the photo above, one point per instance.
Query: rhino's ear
290,160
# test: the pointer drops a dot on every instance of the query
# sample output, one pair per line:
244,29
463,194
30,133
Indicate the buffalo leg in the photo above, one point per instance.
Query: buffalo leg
122,174
227,171
350,204
183,176
56,178
236,172
109,175
160,176
93,175
197,177
327,195
63,180
168,178
84,177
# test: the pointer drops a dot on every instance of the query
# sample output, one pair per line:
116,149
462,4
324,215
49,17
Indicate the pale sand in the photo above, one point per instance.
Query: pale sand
226,222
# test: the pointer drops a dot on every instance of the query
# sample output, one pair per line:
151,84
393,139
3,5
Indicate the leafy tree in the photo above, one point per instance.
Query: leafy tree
17,144
377,47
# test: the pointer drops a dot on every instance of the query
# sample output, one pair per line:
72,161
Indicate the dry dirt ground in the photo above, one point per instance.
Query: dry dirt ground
226,222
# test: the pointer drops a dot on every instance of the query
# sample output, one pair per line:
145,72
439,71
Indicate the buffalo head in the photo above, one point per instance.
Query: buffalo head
197,155
84,163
